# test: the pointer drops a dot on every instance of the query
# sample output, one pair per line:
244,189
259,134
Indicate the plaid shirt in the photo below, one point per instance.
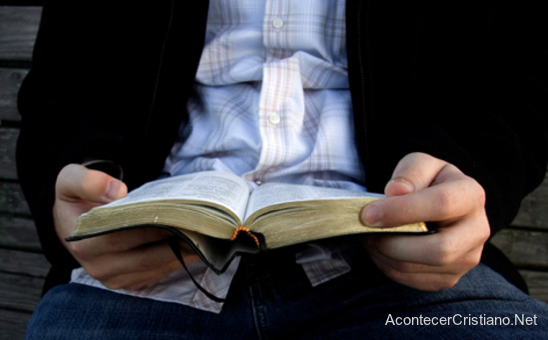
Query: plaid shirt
272,105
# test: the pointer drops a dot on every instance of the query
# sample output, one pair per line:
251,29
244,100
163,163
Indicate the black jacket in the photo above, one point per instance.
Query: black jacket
467,83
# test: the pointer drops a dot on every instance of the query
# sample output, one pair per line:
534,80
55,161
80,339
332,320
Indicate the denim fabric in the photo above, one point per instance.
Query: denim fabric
271,298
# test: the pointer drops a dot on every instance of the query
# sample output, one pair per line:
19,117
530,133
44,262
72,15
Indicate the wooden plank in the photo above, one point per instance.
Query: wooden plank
22,2
525,248
12,200
19,233
13,324
23,263
18,29
533,212
10,81
537,283
22,292
8,139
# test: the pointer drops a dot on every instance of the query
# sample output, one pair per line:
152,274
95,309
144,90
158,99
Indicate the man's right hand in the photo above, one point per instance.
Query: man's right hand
129,259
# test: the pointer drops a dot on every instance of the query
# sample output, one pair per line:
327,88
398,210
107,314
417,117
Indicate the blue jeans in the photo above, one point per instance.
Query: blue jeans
271,298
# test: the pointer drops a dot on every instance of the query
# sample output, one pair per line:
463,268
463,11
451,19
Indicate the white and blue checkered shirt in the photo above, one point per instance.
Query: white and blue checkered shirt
273,105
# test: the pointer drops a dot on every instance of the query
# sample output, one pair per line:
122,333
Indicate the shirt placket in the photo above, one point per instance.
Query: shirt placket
281,100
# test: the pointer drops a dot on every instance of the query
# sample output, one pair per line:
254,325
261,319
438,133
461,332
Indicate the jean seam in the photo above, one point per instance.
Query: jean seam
257,306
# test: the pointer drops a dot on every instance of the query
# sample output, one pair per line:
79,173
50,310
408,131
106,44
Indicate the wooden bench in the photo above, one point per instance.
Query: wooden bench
22,264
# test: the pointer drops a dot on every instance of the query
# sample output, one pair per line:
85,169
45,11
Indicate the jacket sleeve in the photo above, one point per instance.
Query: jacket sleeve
479,99
502,128
99,89
63,118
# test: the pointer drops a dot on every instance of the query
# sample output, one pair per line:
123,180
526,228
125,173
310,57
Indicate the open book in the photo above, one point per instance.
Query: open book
216,213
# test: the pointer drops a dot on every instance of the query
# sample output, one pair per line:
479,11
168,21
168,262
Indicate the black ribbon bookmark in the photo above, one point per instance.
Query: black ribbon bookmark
176,248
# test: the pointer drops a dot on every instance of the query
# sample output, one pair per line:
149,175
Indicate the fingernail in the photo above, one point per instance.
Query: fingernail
405,182
372,215
113,187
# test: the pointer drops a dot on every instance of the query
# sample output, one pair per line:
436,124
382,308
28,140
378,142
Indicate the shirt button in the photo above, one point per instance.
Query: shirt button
278,23
274,119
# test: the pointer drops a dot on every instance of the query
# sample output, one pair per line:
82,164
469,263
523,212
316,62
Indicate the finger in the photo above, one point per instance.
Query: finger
413,267
135,281
76,182
414,172
140,259
117,242
420,276
139,267
422,281
463,239
65,215
458,196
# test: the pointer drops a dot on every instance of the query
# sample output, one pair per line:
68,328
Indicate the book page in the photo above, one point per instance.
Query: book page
223,188
275,193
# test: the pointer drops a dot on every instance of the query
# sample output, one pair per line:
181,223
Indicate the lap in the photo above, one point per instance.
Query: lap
273,299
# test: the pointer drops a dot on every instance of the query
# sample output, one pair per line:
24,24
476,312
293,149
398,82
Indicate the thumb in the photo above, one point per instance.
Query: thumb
76,182
413,173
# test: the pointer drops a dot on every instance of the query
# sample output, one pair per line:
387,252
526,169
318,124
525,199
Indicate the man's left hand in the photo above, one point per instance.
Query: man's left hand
424,188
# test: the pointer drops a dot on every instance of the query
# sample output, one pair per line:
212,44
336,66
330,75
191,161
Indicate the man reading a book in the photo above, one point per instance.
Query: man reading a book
424,102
